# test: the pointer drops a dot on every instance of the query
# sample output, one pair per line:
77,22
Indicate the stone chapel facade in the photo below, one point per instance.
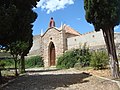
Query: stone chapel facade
55,41
52,43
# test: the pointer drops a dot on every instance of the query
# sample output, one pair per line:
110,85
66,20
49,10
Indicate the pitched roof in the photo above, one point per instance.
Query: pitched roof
71,31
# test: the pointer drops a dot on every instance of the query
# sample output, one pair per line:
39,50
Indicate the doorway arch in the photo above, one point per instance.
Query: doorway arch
52,55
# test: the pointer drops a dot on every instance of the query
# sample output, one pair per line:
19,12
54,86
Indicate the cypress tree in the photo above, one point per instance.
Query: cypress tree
105,15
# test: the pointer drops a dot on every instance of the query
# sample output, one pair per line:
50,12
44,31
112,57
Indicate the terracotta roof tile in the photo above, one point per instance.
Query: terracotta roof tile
71,31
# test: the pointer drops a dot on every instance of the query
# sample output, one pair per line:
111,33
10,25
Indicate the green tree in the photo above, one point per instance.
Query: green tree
25,17
10,21
105,15
7,17
26,47
16,18
19,48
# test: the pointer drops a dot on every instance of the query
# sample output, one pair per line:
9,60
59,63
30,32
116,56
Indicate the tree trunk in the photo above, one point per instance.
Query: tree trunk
0,76
22,64
16,73
0,73
109,40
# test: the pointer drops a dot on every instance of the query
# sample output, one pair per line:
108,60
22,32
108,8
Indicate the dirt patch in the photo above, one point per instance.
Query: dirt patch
69,79
102,73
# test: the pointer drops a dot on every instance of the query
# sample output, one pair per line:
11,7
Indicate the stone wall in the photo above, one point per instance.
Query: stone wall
91,39
36,48
55,36
94,40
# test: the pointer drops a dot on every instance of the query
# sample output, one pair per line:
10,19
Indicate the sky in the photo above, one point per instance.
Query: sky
69,12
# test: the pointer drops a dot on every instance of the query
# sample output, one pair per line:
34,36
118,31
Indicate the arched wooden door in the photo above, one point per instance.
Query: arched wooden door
52,54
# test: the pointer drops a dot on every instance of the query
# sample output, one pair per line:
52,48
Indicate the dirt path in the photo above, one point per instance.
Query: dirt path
52,79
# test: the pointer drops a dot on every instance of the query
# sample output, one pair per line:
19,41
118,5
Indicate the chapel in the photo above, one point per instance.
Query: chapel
55,41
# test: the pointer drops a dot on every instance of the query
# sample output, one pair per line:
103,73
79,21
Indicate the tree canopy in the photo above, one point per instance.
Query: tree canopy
102,13
7,18
16,18
16,22
105,15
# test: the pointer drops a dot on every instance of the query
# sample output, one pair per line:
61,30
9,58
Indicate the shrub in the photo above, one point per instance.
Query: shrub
35,61
9,63
67,60
2,63
80,56
83,56
99,60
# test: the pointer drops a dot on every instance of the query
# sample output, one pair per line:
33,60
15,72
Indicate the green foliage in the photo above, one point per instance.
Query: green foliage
2,63
99,60
16,18
67,60
18,47
102,13
70,58
9,63
105,15
35,61
83,56
7,16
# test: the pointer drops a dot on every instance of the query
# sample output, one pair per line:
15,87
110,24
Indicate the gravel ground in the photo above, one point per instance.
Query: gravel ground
53,79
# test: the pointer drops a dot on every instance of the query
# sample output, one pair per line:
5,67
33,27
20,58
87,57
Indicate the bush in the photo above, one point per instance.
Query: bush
80,56
67,60
2,63
99,60
35,61
9,63
83,56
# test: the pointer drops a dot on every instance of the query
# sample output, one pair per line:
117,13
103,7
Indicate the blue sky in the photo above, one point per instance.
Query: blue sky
69,12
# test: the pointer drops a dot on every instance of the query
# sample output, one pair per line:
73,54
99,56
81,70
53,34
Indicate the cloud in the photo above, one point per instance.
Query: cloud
53,5
116,27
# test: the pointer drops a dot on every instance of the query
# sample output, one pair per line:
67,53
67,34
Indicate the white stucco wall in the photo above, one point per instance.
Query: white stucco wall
92,39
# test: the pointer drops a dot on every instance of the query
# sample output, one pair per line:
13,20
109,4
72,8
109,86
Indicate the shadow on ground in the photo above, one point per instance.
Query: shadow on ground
46,82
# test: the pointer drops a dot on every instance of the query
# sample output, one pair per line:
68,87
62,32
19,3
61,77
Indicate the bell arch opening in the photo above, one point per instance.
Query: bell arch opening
52,55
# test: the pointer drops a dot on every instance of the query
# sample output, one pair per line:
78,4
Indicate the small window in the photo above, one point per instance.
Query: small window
75,39
51,38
